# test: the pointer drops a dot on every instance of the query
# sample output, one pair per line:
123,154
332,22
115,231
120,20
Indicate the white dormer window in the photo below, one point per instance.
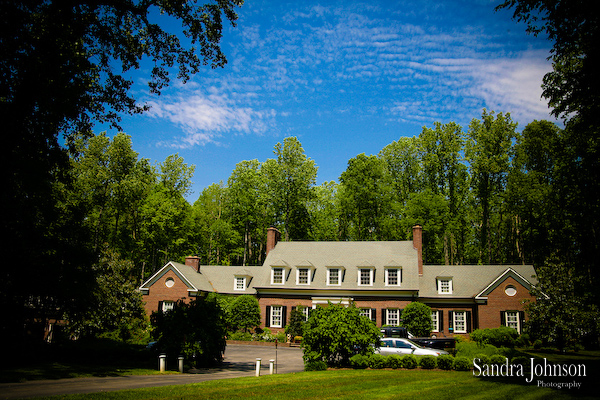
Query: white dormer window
334,276
239,283
444,285
365,276
393,276
303,275
277,275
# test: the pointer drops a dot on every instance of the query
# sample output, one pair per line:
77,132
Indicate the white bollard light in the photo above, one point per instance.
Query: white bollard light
180,359
162,362
258,367
271,364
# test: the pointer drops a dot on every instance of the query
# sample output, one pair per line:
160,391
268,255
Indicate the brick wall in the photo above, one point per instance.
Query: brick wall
498,300
159,291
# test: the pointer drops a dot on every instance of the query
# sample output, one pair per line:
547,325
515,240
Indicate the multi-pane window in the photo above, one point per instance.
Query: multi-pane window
365,277
303,275
305,313
334,276
276,316
240,283
167,306
393,317
512,320
460,322
393,276
435,321
277,275
365,312
444,285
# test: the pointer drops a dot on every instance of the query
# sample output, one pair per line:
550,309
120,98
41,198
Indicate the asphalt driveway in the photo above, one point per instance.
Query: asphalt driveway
240,360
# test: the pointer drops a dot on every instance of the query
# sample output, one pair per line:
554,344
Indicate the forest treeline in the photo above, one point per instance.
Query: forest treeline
483,196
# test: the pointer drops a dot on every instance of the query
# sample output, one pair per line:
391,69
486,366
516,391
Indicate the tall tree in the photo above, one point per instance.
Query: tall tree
291,177
488,150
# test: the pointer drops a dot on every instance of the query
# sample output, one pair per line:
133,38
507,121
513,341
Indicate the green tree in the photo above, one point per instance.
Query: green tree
291,178
324,210
488,150
296,323
63,68
334,333
244,313
196,330
417,318
365,199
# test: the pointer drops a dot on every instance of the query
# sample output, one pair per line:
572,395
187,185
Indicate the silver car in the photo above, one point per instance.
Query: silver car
405,346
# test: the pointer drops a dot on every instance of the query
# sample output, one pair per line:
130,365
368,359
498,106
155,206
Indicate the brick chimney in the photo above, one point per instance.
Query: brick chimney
418,245
194,262
273,236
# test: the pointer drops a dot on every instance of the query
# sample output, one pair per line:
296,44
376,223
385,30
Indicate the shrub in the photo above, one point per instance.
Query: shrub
296,325
394,361
244,313
335,333
472,349
315,365
497,359
359,361
461,364
409,361
521,360
417,318
502,336
377,361
482,359
246,336
428,362
445,361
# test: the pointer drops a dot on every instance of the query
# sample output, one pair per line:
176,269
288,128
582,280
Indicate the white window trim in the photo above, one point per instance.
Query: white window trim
387,317
167,305
439,285
339,271
283,274
309,271
506,322
366,312
455,314
398,277
273,314
371,274
235,283
435,321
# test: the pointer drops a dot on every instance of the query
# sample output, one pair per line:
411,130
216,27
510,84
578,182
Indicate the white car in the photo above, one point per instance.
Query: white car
405,346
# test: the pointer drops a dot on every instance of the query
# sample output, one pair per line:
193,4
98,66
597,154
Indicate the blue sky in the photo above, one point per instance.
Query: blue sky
345,77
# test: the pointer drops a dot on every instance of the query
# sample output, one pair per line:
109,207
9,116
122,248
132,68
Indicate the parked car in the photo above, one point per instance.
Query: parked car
433,342
405,346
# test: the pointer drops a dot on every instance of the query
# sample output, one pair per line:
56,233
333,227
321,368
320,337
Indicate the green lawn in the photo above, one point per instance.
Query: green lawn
352,385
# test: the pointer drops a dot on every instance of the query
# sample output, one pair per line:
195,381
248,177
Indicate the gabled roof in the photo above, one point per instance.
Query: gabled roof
189,276
349,255
469,281
509,272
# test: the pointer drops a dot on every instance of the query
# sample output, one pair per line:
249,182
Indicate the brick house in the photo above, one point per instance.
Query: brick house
381,278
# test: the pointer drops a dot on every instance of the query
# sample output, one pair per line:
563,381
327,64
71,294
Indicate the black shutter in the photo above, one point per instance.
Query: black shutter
468,320
268,317
160,306
374,315
502,318
400,319
441,320
521,321
283,316
451,321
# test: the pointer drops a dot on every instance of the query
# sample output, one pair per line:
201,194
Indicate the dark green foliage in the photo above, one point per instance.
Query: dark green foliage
394,361
462,364
417,319
428,362
359,361
497,359
196,330
243,313
445,361
335,333
521,360
502,336
482,359
315,365
377,361
296,323
409,361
